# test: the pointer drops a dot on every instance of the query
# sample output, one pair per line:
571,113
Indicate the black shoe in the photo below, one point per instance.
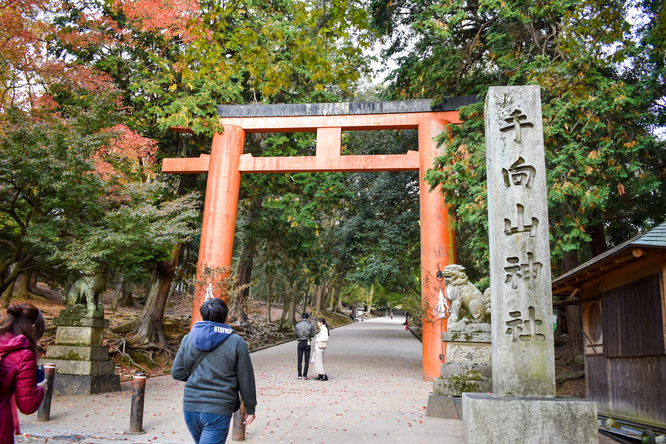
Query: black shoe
319,378
324,378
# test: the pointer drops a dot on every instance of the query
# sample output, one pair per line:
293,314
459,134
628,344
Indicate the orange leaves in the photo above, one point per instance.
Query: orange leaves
131,144
45,102
31,69
463,152
21,50
127,154
99,31
88,79
168,17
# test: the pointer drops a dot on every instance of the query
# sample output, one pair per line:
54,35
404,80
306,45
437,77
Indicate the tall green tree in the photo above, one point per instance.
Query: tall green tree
603,93
177,61
378,245
601,103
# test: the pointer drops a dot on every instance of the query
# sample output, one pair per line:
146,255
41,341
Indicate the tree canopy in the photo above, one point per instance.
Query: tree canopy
601,71
90,90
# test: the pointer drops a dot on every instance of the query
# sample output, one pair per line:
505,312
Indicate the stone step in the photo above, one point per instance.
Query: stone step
84,367
77,353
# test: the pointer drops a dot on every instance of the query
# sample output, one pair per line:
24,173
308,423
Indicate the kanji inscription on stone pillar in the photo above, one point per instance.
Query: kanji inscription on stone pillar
521,304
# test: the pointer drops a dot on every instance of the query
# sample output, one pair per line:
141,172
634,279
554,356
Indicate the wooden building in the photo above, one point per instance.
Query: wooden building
622,294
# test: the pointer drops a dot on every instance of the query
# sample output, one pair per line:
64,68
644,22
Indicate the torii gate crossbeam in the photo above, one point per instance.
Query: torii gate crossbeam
227,162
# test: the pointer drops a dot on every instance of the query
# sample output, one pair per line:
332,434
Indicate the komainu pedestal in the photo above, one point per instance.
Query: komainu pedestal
468,366
468,369
82,364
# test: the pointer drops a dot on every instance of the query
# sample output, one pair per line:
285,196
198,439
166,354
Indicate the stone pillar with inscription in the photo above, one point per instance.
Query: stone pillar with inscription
523,406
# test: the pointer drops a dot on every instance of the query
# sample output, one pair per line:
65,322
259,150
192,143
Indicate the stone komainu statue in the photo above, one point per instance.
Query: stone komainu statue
467,302
84,295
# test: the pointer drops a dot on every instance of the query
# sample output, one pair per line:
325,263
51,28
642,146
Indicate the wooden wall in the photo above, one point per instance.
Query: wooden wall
628,378
629,388
632,319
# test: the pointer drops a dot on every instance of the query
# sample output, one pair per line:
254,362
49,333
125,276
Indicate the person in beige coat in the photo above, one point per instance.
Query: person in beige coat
321,341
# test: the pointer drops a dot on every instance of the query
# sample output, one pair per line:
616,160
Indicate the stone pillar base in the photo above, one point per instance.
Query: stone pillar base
491,418
459,378
73,385
444,406
82,364
468,368
71,367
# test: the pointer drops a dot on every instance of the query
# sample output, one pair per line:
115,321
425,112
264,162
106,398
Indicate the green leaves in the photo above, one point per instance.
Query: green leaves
600,106
139,231
265,52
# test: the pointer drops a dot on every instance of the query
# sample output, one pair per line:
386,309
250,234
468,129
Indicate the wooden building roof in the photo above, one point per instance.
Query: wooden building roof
637,247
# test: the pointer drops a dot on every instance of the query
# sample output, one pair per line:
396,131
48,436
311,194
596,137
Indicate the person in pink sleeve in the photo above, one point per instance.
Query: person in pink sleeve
19,334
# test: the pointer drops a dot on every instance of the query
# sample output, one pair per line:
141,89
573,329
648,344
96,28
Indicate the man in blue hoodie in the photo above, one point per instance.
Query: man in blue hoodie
215,364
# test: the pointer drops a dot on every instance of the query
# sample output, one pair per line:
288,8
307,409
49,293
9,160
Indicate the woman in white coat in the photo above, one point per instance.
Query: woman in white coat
321,341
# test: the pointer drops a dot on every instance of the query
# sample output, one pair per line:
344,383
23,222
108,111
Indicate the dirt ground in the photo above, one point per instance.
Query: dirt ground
157,361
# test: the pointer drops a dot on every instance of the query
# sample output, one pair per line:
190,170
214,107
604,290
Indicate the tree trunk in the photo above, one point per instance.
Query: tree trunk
22,288
269,296
287,302
317,294
293,302
151,321
123,295
243,283
34,276
286,309
328,294
292,307
598,242
10,270
7,296
335,300
21,285
574,319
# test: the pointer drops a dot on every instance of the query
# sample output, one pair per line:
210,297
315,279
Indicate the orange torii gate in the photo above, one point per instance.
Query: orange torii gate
226,163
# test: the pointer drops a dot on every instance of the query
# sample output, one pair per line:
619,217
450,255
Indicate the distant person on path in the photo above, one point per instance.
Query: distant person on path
215,364
321,342
19,334
304,332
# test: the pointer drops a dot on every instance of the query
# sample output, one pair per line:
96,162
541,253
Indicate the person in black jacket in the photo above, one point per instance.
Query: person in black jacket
304,332
215,364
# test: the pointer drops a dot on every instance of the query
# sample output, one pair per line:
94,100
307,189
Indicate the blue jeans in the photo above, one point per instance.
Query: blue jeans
208,428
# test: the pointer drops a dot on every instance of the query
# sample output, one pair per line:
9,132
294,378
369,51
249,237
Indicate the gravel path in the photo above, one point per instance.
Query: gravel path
375,394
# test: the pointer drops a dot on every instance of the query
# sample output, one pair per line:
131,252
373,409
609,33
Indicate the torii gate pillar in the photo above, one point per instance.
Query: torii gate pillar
220,210
437,249
227,162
